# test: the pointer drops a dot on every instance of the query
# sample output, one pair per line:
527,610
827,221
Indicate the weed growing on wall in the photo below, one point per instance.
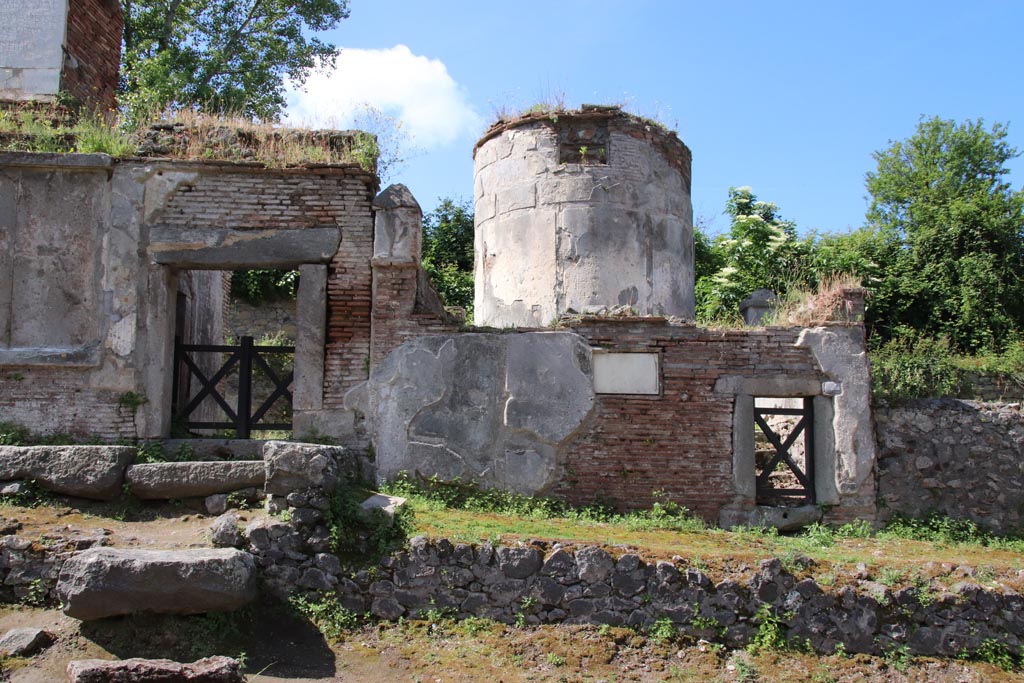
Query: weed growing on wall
326,613
907,367
364,536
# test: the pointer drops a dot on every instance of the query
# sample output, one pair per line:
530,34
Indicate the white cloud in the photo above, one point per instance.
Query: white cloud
415,89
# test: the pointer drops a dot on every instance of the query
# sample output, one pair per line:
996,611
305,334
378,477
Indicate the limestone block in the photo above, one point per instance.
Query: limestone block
209,670
388,505
95,472
311,310
236,249
397,226
841,352
167,480
105,582
298,466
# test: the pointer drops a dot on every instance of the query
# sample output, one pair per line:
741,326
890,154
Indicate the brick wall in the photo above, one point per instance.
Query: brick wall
240,197
48,400
349,294
405,306
93,52
680,442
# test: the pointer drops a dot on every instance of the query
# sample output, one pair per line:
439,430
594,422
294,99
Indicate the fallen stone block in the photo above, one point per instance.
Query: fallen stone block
388,505
105,582
24,642
224,531
298,466
208,670
167,480
95,472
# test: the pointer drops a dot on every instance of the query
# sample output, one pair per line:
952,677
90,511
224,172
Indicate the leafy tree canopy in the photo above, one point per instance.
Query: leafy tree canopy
761,251
952,232
222,55
448,252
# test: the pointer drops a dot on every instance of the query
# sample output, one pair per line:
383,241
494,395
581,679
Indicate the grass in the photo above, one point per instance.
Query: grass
910,552
183,134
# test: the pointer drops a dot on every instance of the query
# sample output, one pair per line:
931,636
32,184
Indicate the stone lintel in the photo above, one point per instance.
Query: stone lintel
231,249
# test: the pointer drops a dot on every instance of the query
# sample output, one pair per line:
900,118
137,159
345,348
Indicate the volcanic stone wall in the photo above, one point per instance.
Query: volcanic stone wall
962,459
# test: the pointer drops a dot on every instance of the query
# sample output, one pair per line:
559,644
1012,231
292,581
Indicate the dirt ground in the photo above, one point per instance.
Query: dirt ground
279,647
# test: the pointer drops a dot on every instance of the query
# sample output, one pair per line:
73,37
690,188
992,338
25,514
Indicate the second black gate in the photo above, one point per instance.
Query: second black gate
785,475
243,360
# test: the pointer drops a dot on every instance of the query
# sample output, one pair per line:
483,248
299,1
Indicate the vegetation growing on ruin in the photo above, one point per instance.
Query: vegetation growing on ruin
185,134
447,252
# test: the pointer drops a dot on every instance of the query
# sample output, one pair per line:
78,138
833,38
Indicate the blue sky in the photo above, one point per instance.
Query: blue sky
790,98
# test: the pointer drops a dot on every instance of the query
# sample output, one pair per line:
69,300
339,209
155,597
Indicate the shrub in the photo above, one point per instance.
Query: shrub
909,367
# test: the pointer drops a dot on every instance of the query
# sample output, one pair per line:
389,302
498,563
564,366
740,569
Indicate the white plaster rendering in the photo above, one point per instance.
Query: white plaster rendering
494,409
841,352
31,48
626,373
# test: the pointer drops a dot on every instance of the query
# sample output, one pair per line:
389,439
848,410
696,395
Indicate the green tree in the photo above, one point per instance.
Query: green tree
448,252
222,55
951,231
761,251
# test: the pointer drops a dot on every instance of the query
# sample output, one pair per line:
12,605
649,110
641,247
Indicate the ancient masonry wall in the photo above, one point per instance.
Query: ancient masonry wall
958,458
580,210
85,325
349,303
399,312
93,52
267,318
679,442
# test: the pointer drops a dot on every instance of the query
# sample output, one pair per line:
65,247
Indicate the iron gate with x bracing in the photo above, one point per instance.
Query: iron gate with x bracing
786,477
241,360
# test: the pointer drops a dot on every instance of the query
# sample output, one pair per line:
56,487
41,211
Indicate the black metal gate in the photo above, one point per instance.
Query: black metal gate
780,478
242,359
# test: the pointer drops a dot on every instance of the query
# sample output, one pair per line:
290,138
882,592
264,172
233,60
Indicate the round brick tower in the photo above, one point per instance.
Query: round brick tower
581,210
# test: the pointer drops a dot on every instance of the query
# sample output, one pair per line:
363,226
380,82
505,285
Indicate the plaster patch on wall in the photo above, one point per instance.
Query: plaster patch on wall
121,336
495,409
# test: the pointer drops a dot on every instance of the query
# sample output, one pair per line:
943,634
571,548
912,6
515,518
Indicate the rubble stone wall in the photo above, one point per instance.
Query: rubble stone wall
962,459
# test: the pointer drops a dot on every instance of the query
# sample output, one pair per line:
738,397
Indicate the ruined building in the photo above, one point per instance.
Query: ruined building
598,386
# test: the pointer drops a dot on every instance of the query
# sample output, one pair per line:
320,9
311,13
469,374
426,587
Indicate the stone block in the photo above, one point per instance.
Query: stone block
24,642
106,582
298,466
169,480
209,670
95,472
236,249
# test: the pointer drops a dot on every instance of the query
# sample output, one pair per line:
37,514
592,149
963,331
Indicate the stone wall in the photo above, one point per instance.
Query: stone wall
31,37
69,302
265,319
993,387
559,229
959,458
681,440
447,404
92,253
51,45
551,584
